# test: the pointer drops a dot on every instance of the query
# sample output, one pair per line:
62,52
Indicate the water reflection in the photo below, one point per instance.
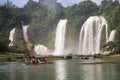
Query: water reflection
100,72
60,70
91,72
60,67
12,70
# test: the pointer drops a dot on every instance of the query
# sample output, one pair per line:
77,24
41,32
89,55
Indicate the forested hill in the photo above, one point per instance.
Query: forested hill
43,17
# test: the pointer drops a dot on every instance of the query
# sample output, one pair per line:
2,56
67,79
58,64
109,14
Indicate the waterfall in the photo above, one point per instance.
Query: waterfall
90,35
25,27
11,36
107,33
40,50
112,35
111,38
60,37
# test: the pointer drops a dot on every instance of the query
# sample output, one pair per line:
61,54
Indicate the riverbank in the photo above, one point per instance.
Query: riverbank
112,56
7,57
116,55
11,57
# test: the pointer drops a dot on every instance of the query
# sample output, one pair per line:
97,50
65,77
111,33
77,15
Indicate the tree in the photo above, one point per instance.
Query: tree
110,46
110,10
3,45
10,17
44,16
79,13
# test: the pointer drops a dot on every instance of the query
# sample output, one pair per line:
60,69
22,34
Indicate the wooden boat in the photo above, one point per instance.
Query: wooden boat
36,61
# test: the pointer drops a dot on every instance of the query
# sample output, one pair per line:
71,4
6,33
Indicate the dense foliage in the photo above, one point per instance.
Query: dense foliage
111,10
44,15
10,17
79,13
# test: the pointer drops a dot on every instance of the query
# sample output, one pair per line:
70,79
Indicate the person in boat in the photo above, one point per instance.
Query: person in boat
37,61
33,60
40,60
44,59
26,60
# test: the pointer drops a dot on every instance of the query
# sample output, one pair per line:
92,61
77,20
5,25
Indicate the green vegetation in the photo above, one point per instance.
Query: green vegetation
11,57
3,45
110,46
79,13
43,17
110,10
10,17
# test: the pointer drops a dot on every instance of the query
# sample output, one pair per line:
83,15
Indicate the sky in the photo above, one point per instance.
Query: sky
19,3
65,3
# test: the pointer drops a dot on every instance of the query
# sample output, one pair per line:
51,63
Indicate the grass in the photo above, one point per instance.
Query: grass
20,57
11,57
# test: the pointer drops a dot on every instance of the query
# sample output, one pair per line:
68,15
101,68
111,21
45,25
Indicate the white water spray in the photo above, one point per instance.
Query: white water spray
112,35
25,28
41,50
11,37
60,37
90,35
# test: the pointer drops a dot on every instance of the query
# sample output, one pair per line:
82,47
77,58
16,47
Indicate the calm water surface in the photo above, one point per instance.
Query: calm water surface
61,70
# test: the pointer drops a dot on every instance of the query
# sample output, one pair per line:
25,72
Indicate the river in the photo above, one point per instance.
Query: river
74,69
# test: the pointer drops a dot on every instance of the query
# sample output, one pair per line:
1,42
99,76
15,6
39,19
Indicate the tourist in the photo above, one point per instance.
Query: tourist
33,61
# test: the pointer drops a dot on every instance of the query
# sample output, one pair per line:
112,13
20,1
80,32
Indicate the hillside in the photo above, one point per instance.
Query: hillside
43,17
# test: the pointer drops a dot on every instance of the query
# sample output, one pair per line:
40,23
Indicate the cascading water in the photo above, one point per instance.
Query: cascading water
112,35
111,38
25,27
90,35
11,37
40,50
60,37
